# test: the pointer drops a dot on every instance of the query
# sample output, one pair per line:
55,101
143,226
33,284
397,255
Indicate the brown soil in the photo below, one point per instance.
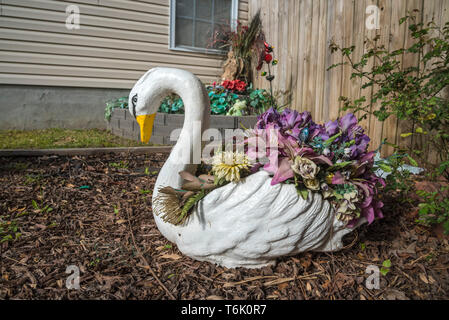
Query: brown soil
106,229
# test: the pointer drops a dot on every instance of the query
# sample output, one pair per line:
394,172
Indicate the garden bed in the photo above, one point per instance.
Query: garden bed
101,221
123,124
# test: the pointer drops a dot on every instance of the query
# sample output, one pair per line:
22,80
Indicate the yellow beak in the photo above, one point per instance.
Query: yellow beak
146,126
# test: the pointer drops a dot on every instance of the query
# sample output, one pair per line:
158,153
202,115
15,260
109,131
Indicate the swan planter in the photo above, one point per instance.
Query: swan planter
315,185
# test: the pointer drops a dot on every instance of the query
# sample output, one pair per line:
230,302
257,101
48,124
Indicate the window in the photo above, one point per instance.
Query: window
193,23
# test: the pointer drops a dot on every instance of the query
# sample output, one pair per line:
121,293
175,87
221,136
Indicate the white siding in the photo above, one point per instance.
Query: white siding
118,41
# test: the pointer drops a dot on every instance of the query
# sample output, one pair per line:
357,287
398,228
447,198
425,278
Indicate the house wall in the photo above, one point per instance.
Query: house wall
301,32
118,41
39,107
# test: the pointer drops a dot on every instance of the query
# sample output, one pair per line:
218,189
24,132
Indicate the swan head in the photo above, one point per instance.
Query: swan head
144,102
155,85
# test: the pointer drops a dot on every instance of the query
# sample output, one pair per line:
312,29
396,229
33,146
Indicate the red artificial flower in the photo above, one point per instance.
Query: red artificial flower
225,83
234,85
240,85
268,48
268,57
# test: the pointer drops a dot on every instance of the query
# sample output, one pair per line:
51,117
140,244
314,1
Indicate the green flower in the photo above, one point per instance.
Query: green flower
238,109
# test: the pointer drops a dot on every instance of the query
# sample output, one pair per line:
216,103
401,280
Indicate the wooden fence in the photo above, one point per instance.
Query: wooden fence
301,32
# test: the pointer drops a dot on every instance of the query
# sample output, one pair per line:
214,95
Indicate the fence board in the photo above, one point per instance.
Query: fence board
397,34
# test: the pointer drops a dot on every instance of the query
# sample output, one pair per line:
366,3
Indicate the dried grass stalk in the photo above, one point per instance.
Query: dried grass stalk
174,206
168,205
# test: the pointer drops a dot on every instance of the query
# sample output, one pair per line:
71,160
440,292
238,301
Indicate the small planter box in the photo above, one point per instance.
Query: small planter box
124,125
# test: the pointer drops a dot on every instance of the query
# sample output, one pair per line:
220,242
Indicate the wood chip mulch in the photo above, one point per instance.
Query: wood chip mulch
94,212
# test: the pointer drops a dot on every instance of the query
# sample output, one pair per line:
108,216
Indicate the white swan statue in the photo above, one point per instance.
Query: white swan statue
245,224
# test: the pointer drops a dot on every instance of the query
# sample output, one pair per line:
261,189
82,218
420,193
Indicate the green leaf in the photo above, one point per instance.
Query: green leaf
340,165
419,130
412,161
303,192
6,238
329,141
384,271
405,135
34,203
385,167
190,203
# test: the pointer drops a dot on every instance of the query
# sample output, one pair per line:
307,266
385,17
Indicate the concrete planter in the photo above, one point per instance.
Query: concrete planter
123,124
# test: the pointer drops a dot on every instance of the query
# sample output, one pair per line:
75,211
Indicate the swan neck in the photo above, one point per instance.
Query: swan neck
186,153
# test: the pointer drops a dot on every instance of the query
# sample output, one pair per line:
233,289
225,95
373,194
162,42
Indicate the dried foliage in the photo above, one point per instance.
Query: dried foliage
242,45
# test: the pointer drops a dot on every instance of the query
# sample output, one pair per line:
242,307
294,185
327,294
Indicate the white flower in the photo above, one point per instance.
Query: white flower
229,165
347,152
347,208
306,168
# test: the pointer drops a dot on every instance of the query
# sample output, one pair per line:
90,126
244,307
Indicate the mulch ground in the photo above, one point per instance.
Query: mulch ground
95,213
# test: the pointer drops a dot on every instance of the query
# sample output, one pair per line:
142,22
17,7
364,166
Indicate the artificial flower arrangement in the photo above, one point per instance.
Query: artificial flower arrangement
331,159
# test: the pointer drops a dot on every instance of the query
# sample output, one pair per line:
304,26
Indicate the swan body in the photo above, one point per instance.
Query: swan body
245,224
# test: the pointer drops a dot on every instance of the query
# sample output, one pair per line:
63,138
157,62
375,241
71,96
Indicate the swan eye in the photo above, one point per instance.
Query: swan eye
134,103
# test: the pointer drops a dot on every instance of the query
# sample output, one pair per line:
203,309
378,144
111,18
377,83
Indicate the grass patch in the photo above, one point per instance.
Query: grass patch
63,138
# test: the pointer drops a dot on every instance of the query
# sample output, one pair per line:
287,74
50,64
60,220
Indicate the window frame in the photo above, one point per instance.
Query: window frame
172,45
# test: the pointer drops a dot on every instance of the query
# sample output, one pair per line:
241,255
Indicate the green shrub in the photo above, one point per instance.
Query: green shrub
399,181
411,93
415,94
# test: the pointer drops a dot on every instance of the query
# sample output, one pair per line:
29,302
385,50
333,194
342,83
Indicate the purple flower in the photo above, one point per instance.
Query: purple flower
293,123
271,116
347,122
331,127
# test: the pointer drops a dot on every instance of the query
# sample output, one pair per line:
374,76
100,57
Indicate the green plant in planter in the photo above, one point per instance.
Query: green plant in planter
172,104
116,103
221,100
259,101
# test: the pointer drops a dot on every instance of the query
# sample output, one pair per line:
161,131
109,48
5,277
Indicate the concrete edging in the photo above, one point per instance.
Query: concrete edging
123,124
81,151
